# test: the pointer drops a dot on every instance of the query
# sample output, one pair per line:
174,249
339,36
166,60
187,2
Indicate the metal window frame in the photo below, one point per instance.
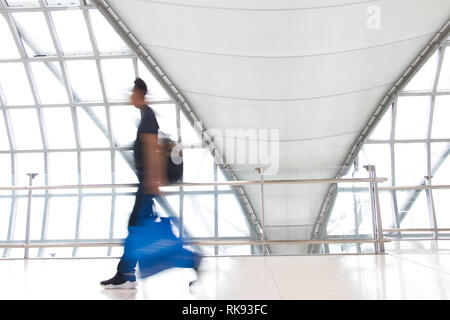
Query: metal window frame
75,105
439,44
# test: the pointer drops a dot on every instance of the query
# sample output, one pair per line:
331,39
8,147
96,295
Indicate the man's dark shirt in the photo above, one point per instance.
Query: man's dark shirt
148,124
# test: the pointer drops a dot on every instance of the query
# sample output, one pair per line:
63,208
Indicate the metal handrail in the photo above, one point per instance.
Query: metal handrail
421,187
193,184
373,180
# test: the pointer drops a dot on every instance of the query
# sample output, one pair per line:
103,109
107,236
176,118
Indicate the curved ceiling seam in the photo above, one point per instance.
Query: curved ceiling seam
387,100
290,56
258,10
292,99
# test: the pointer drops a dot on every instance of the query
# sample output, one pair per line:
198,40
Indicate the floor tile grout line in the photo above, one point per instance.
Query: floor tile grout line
266,264
418,263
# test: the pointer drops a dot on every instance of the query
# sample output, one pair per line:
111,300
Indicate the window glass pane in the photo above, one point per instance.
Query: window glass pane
156,91
96,167
412,117
378,155
188,134
383,129
232,222
84,80
95,217
62,3
25,126
5,212
124,173
4,142
198,215
410,163
5,170
48,79
441,204
122,210
36,215
198,166
440,162
108,41
444,77
30,163
441,116
23,3
62,216
414,209
14,84
72,32
9,49
34,33
125,120
59,128
92,127
62,170
221,178
167,119
342,216
424,78
119,77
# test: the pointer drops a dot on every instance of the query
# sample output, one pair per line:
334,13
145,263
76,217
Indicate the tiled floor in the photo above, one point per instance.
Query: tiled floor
410,270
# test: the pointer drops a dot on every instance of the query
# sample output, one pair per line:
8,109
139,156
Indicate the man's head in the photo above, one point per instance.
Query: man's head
139,92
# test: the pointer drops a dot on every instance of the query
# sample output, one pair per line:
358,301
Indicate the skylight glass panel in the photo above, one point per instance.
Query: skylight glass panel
5,209
383,129
444,79
23,3
9,49
91,136
34,32
378,155
410,163
95,217
441,116
62,170
118,75
412,117
14,84
49,85
424,78
59,128
198,215
108,41
125,120
4,142
198,167
232,222
72,32
440,162
417,216
96,167
61,217
5,170
25,127
123,205
21,216
84,80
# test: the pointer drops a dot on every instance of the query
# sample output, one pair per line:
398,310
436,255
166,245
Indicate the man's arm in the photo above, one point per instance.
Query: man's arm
154,163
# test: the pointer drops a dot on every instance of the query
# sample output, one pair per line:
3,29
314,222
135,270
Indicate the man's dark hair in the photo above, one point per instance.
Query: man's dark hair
140,85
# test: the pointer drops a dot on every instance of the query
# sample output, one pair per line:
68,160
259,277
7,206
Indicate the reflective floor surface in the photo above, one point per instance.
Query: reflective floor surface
409,270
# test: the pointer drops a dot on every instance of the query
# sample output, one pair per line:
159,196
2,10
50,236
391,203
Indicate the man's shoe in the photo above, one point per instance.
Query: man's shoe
119,282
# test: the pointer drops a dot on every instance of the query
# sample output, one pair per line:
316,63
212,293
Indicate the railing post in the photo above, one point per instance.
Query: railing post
431,209
263,233
375,205
27,231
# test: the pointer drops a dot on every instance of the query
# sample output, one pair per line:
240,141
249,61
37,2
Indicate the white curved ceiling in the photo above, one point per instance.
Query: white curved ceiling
312,69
